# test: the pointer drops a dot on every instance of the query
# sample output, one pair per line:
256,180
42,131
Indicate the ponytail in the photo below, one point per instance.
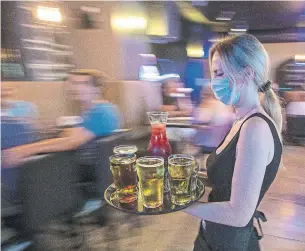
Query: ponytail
272,106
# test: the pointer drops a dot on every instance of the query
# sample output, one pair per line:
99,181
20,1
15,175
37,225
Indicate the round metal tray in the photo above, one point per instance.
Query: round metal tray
137,206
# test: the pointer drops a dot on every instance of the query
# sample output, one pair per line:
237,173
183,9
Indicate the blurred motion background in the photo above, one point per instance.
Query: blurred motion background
151,55
41,42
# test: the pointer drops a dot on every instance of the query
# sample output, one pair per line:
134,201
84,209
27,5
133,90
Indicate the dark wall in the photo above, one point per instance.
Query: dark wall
12,67
10,32
175,52
172,51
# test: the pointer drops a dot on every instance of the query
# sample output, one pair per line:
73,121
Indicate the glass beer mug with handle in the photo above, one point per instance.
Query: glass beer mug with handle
183,172
158,144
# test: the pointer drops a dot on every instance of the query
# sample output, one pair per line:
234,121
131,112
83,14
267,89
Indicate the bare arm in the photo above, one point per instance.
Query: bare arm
173,112
203,116
168,108
254,150
205,112
71,140
185,105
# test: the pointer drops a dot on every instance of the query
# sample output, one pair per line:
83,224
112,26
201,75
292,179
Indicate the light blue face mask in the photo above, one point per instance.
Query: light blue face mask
223,92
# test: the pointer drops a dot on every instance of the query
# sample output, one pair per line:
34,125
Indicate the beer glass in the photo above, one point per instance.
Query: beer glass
125,149
194,178
124,173
183,178
151,180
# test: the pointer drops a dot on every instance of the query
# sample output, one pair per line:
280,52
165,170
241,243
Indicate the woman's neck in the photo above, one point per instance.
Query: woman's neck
244,110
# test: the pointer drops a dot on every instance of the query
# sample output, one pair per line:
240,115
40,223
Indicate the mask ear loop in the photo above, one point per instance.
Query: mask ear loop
232,86
249,77
234,89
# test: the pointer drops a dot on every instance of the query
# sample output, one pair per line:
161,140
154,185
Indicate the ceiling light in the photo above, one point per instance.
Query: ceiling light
90,9
299,57
200,3
129,23
223,18
214,40
238,29
48,14
194,51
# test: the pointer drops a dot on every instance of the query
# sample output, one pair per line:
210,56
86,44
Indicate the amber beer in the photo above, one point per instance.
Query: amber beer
124,173
151,180
181,168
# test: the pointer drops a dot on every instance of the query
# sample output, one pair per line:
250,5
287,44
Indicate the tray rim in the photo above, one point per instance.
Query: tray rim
156,212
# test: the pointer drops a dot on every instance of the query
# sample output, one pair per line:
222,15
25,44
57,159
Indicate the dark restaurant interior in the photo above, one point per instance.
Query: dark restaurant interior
95,90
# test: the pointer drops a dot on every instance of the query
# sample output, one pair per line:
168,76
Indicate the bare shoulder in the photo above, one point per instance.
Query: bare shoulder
257,124
256,129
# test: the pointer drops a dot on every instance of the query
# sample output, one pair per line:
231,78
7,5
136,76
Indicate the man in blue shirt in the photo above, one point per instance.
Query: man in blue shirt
100,118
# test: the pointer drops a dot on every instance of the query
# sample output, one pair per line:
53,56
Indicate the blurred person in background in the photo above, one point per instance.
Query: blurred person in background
245,164
18,127
17,108
216,118
19,119
100,118
175,103
19,124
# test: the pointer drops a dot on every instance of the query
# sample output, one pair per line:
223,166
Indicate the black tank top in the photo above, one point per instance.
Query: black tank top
220,168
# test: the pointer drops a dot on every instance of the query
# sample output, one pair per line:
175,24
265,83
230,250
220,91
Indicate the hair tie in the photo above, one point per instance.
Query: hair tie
265,87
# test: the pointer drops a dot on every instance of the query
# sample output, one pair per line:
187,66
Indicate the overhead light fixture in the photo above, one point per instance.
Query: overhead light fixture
239,30
239,27
225,16
90,9
200,3
49,14
214,39
299,59
128,23
194,51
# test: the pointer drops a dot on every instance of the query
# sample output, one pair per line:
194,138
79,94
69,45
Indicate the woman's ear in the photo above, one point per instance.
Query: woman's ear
249,73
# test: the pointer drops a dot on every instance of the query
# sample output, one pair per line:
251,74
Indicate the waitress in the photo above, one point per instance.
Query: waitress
244,165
